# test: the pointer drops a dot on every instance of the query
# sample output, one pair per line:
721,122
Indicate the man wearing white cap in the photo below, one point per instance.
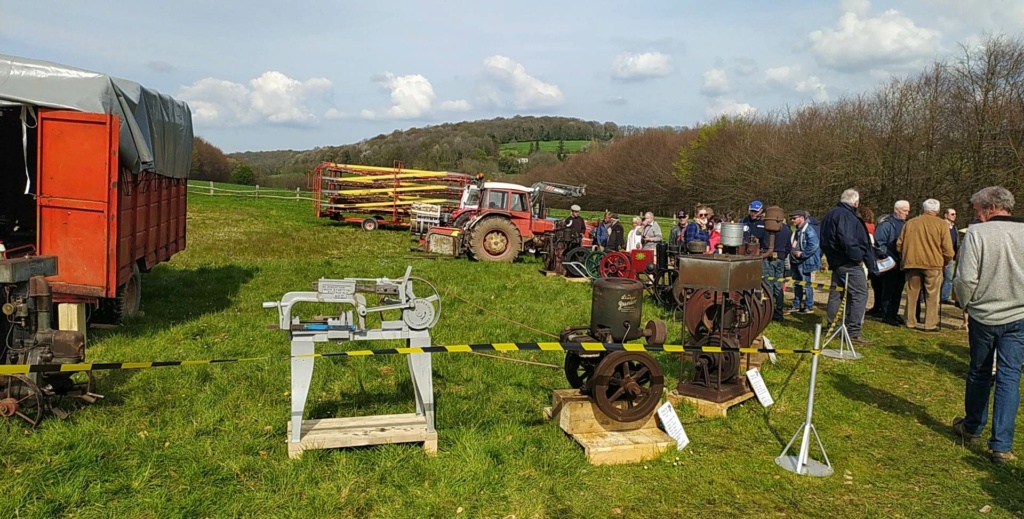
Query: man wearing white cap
576,224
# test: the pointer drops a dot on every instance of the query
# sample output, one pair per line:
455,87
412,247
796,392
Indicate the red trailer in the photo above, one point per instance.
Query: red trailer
104,192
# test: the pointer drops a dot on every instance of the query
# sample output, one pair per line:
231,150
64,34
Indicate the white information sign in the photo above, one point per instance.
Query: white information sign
673,427
760,389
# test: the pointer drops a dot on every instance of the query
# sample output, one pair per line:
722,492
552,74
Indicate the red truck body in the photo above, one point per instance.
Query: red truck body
100,220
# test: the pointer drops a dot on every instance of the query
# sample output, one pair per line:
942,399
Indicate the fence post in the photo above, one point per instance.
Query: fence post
257,190
297,191
211,187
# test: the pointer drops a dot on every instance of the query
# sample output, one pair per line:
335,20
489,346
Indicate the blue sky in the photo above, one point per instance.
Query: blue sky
265,75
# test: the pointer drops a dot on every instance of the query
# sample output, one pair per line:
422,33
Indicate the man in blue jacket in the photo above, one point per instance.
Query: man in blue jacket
894,279
847,245
805,260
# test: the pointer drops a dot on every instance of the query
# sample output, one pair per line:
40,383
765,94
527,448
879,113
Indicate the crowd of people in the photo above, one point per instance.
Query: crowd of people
926,257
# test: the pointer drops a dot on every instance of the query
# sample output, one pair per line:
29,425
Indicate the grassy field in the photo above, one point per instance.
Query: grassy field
522,149
210,441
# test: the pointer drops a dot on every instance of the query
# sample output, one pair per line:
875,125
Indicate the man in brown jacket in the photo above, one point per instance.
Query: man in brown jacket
925,248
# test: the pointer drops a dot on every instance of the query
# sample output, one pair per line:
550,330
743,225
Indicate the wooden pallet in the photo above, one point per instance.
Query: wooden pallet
550,274
707,408
606,441
360,431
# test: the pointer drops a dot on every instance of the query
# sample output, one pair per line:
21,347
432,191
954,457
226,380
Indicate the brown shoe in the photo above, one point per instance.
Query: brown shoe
861,340
1002,458
958,427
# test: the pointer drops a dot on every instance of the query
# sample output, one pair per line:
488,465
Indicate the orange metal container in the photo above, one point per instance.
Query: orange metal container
100,220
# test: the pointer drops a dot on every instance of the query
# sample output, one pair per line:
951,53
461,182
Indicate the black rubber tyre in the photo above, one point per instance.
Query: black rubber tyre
461,220
495,239
370,224
129,298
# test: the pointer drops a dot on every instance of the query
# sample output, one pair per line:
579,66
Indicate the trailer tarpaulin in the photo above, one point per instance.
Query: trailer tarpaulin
156,129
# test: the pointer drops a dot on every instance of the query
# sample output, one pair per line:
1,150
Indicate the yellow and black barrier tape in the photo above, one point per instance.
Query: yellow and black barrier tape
820,286
10,369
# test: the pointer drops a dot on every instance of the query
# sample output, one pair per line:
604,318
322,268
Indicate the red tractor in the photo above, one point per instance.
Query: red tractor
508,220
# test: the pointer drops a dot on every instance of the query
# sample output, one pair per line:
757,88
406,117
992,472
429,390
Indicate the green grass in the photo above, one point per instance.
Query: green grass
523,148
210,441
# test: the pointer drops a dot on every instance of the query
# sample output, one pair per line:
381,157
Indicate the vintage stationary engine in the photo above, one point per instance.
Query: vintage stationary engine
725,304
26,337
625,385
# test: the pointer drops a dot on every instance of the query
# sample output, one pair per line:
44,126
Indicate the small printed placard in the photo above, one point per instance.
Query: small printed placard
673,427
760,389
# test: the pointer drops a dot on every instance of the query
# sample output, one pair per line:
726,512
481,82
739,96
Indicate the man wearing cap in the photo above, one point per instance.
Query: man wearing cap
676,245
847,246
805,260
773,264
576,224
753,223
616,237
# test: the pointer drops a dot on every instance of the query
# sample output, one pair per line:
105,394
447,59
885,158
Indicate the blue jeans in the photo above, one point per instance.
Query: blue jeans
947,281
775,269
803,296
1008,341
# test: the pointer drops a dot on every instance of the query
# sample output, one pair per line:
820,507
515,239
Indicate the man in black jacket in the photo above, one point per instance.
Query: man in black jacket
847,245
616,237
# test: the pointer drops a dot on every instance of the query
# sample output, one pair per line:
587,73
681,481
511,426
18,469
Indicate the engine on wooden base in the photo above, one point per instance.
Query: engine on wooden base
625,385
27,337
725,305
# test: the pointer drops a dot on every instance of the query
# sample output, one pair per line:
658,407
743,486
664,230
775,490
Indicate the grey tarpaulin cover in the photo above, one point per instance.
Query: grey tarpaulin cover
156,130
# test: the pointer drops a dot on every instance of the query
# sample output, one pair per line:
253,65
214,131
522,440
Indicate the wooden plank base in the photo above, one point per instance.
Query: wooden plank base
360,431
550,274
706,408
606,441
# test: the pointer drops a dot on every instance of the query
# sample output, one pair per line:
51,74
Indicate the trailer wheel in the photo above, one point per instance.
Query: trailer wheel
129,298
495,239
370,224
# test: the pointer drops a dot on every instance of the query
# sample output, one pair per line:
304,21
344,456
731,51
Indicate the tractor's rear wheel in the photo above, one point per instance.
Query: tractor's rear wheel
495,239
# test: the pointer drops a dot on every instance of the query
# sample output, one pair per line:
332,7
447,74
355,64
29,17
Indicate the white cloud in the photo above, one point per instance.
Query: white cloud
792,78
412,97
638,67
715,83
861,42
529,93
273,97
728,107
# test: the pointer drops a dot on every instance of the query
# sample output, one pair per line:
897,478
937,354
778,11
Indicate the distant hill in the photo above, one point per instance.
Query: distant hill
491,146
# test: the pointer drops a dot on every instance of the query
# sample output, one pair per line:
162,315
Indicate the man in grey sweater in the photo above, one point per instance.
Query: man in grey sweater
989,284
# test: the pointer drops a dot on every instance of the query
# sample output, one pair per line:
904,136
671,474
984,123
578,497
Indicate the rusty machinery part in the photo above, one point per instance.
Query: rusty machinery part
616,265
663,281
627,385
706,365
656,333
495,239
592,262
579,367
21,399
746,313
576,254
616,309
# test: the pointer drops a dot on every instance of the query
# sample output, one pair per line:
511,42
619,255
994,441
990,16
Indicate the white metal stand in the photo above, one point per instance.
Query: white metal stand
802,464
845,351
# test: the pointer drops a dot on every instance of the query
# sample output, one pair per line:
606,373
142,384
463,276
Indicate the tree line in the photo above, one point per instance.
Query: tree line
942,133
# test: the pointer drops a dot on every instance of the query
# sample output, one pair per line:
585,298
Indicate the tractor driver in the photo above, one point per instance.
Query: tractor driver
576,224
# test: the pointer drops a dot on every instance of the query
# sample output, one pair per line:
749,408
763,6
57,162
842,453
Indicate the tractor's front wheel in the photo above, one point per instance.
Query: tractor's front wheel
495,239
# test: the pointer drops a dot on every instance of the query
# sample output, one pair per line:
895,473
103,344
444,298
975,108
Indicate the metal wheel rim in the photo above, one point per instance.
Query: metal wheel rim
31,400
495,243
628,385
